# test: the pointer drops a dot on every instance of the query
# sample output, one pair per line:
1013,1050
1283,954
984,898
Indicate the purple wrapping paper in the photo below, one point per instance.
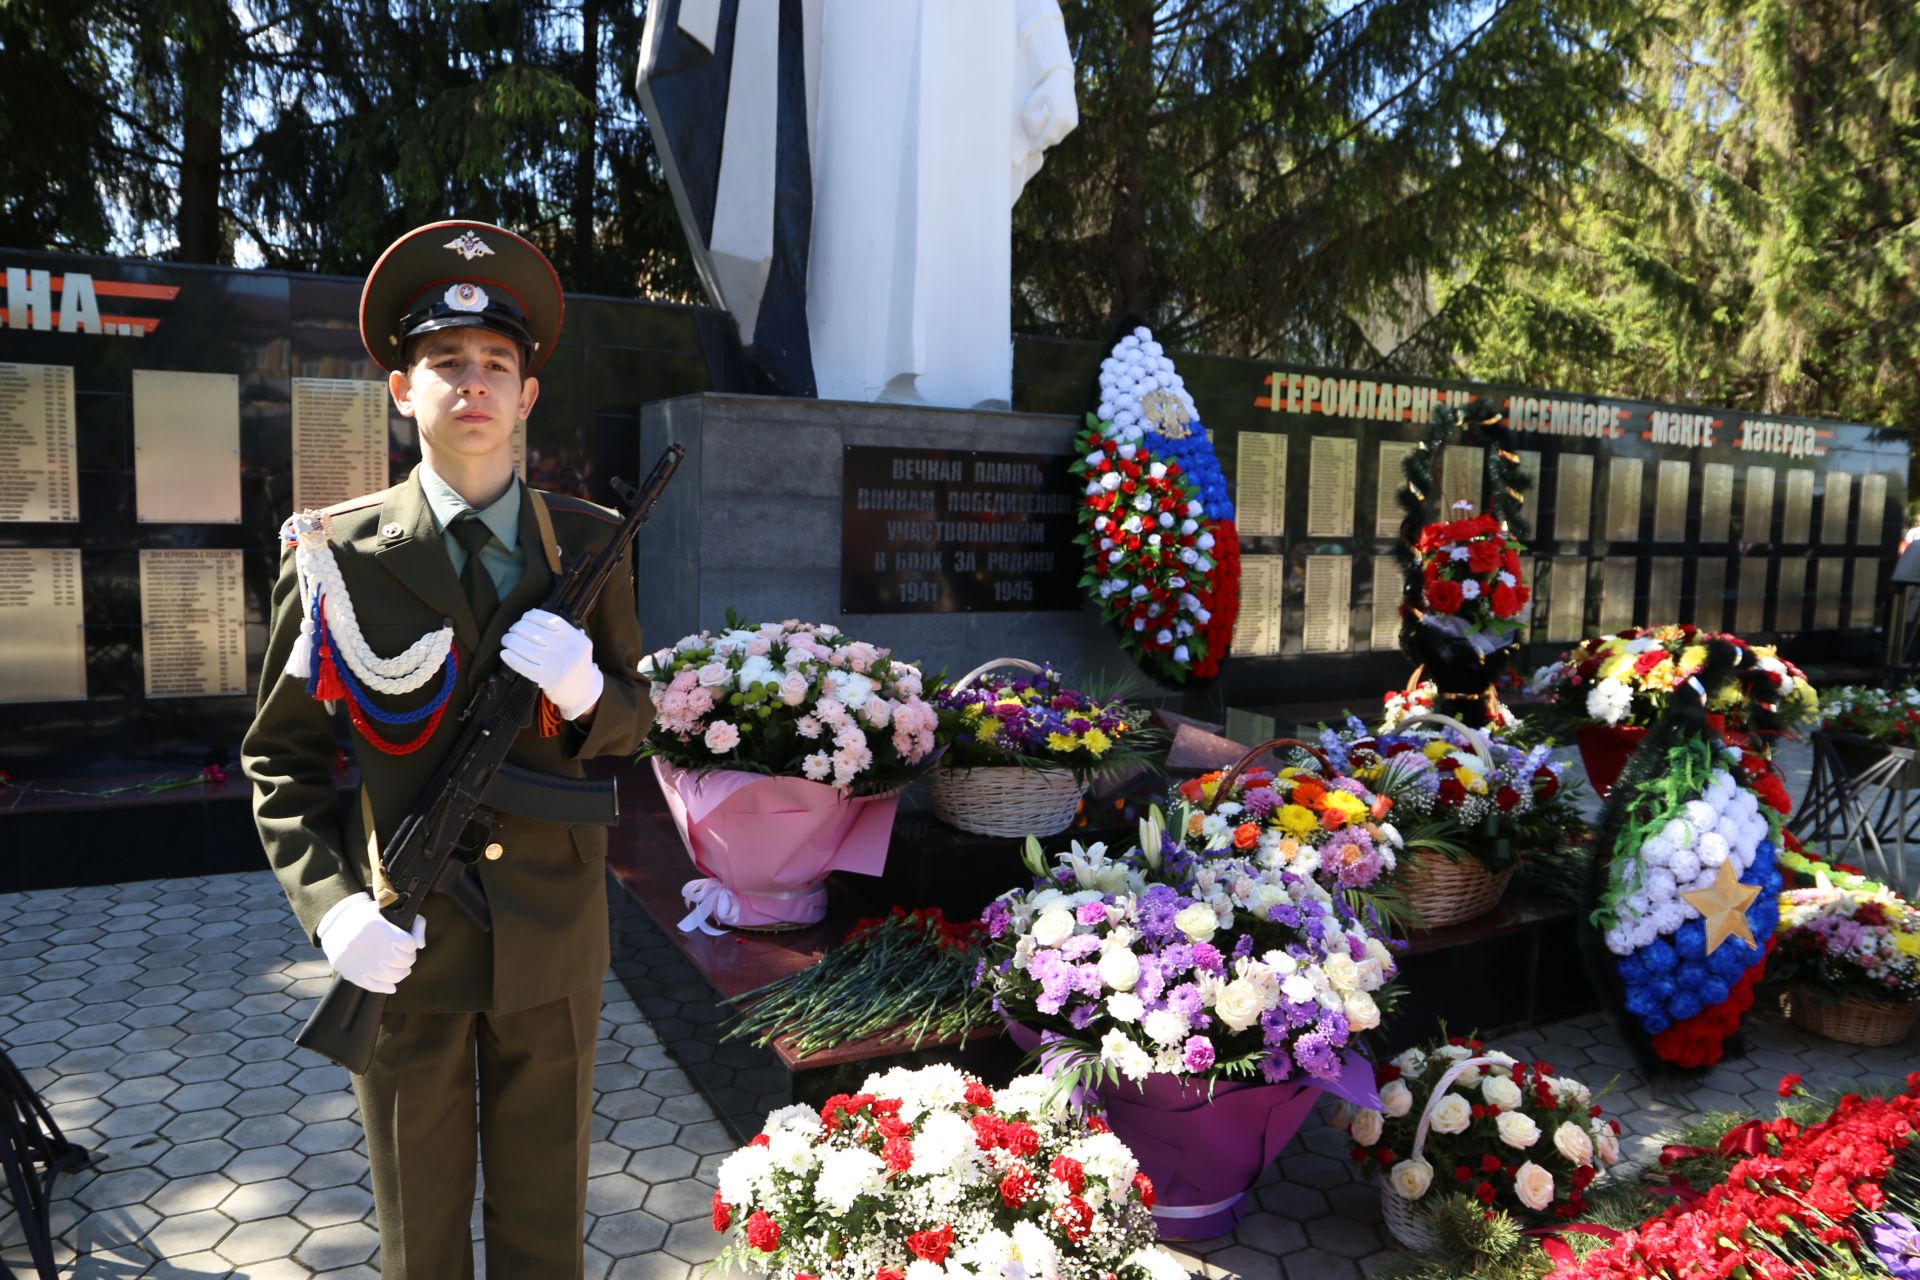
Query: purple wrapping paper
1203,1154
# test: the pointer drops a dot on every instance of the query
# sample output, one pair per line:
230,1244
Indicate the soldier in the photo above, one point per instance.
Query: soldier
415,596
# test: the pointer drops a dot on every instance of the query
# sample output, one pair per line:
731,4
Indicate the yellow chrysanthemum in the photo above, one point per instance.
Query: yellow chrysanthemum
988,730
1908,944
1349,805
1693,657
973,710
1095,741
1437,750
1617,668
1296,820
1063,741
1663,676
1470,780
1289,772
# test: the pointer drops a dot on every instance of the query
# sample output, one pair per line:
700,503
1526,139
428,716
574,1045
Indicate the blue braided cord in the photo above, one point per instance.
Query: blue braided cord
360,699
313,662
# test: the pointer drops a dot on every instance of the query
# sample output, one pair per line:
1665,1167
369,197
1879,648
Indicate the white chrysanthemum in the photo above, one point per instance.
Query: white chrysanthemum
745,1172
1660,886
1701,814
1687,862
1164,1026
799,1117
1104,1156
1034,1250
1118,1049
1609,700
1620,940
1657,851
1024,1095
792,1152
944,1143
1678,833
1157,1263
846,1174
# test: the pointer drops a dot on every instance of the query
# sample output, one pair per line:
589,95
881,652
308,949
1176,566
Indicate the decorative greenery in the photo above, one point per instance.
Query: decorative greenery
1891,716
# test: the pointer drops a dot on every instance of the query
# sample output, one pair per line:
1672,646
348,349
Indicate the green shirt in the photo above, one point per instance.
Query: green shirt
501,555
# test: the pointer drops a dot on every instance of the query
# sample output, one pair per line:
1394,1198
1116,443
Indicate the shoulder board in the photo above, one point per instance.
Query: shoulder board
562,504
356,504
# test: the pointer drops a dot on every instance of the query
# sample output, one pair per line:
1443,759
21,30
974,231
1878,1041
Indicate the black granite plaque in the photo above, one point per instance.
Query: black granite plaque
959,531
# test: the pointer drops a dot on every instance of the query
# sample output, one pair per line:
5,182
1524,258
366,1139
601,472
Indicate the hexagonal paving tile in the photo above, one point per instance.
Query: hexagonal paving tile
196,1157
331,1206
253,1201
680,1201
619,1235
182,1233
190,1195
342,1246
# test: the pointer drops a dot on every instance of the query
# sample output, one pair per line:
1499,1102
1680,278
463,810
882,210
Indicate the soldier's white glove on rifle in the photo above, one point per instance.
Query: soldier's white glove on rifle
365,948
557,656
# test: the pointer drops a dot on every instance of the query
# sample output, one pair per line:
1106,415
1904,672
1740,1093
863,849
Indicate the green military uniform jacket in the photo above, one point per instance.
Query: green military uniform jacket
548,890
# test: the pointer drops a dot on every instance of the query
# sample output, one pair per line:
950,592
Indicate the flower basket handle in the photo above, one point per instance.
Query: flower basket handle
1475,739
1440,1088
1031,668
1245,762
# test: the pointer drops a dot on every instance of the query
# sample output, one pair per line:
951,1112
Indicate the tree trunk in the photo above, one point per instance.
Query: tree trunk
202,70
586,159
1133,88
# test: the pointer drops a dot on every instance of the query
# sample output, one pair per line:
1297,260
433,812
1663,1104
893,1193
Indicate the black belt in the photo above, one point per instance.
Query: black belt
550,797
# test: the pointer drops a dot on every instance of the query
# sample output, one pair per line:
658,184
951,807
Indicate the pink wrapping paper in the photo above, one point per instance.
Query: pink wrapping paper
770,842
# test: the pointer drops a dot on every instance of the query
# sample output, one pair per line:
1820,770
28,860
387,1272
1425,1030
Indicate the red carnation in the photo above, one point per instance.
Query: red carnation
986,1130
932,1245
1506,798
1510,561
1020,1138
722,1216
1484,1193
763,1233
1144,1185
1489,1163
889,1273
1075,1217
1483,557
898,1153
979,1095
1506,601
1068,1170
1445,596
1788,1083
1451,792
1016,1187
759,1140
1462,1174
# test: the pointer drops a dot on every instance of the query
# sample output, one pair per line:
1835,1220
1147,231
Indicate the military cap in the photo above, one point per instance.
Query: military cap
461,274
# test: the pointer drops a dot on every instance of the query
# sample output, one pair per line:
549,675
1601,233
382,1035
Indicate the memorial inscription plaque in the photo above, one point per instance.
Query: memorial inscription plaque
1260,485
1866,592
1567,613
1331,469
1796,521
41,626
1623,503
1328,624
1392,479
1616,592
193,623
1790,601
1756,518
1671,484
955,530
1834,510
1462,469
1256,632
1664,575
1716,503
1573,497
39,483
339,440
1750,610
1873,509
186,447
1710,593
1386,603
1830,580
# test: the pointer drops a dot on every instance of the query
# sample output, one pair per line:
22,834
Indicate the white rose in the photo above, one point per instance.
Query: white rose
1119,968
1451,1114
1165,1027
1605,1144
1411,1178
1573,1142
1239,1004
1342,972
1362,1013
1501,1092
714,674
1367,1126
1410,1061
1198,922
1053,927
1396,1099
1517,1129
1533,1185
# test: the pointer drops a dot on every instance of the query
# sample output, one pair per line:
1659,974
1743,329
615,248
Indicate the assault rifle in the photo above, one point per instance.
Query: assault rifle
434,847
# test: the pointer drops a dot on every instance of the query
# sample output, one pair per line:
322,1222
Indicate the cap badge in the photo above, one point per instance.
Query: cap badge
469,246
466,297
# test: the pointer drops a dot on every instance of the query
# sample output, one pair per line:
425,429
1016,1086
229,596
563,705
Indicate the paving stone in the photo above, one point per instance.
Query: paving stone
1270,1233
342,1246
202,1096
202,1264
262,1131
333,1135
620,1235
195,1126
152,1038
263,1163
706,1139
256,1100
123,1186
254,1201
86,1037
196,1157
614,1193
647,1131
323,1107
661,1164
182,1233
217,1066
131,1121
331,1169
1244,1262
627,1104
680,1201
189,1195
650,1266
131,1093
332,1206
1344,1236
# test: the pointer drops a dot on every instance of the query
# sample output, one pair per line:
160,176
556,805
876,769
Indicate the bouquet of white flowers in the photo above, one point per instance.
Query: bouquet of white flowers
931,1175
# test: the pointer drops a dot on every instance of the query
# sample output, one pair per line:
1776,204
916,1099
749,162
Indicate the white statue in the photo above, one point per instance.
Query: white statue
923,121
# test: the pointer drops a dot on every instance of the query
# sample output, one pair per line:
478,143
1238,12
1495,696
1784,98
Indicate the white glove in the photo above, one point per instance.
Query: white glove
557,656
364,948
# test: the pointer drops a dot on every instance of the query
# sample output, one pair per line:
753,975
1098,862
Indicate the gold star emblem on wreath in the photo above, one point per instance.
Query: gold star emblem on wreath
1724,905
1163,409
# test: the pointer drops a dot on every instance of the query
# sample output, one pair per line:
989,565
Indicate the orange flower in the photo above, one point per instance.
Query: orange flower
1382,805
1245,836
1333,819
1309,793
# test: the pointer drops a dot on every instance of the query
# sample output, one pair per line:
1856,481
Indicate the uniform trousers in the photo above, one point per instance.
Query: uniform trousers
533,1073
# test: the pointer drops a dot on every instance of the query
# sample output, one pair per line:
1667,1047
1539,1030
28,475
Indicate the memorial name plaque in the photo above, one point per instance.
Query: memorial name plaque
1330,486
39,483
1663,587
1256,632
1750,611
1567,612
1530,468
1393,478
1716,503
1572,497
1756,519
1461,471
1790,608
1616,593
1873,509
1539,576
1329,605
1833,511
193,621
1670,500
954,531
1623,504
1710,593
186,447
41,626
1796,522
1260,485
1829,584
1866,591
1386,602
339,440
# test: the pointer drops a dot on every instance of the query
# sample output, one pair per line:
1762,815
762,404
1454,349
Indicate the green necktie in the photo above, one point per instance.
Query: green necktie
474,578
